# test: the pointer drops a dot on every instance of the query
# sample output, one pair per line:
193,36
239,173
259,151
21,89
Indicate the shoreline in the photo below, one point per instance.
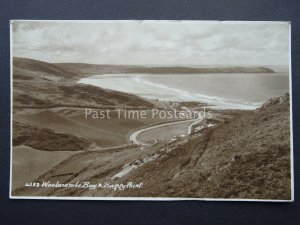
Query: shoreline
139,85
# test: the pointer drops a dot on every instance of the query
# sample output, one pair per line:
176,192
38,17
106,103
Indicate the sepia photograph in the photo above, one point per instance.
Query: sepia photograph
151,110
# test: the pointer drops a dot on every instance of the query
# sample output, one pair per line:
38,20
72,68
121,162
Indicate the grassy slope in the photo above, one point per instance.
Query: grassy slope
29,163
34,68
42,139
28,94
43,85
103,132
40,84
249,157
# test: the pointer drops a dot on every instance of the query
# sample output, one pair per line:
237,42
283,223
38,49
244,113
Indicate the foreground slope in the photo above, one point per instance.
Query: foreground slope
249,157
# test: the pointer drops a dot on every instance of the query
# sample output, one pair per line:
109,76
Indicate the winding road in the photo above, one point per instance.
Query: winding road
134,135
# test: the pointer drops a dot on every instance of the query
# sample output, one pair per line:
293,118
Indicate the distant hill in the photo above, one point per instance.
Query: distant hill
82,69
39,84
188,70
31,67
23,68
42,84
107,69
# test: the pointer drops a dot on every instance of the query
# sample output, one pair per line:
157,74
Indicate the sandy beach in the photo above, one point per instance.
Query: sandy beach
222,91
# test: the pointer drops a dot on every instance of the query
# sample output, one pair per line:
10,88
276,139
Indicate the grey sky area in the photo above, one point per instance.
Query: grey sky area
153,43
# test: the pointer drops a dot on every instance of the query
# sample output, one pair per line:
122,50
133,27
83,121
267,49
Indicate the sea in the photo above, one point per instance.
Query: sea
221,90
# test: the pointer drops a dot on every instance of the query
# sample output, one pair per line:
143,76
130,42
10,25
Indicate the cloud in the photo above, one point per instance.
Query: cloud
153,42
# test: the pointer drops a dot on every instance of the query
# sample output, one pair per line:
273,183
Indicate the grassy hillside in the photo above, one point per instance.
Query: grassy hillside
41,84
42,139
35,68
77,95
249,157
103,132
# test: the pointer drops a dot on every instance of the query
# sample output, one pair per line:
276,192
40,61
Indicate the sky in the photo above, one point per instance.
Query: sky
153,42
